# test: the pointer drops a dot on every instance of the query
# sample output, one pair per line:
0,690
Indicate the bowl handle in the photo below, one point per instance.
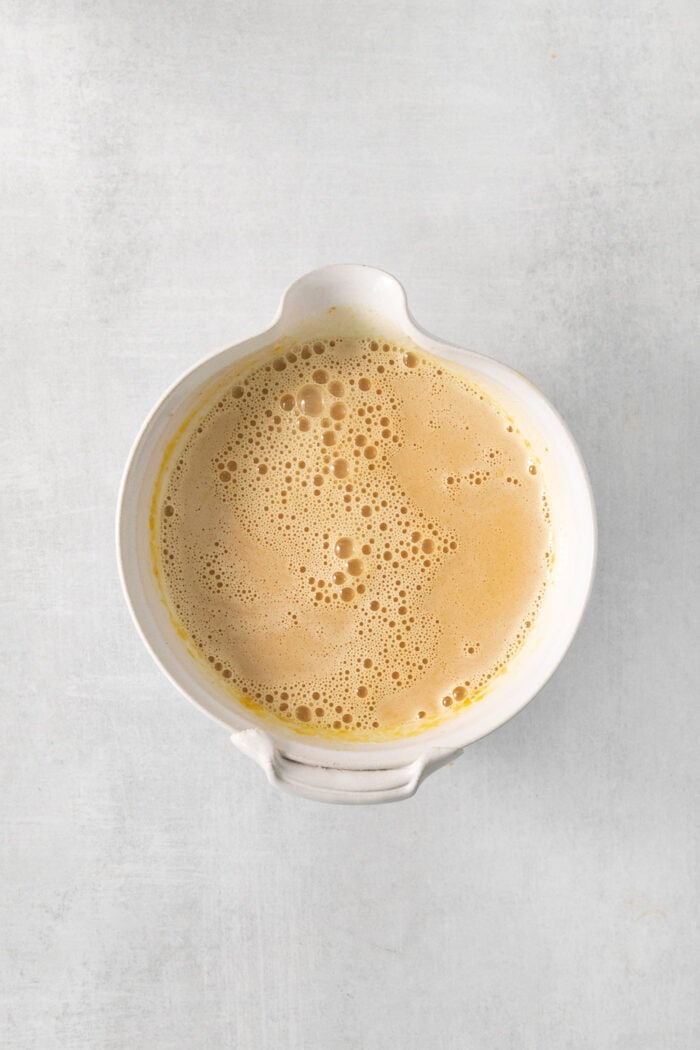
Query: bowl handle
342,284
330,784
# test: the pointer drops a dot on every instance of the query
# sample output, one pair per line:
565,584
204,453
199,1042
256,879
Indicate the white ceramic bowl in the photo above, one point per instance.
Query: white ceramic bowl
351,299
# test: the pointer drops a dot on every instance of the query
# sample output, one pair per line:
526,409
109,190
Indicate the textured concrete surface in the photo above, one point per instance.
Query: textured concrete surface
528,171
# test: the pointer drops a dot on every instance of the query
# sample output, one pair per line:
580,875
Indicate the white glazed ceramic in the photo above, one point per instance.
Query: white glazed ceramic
351,299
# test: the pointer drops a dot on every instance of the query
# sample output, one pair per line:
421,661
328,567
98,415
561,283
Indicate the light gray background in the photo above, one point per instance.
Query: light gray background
527,169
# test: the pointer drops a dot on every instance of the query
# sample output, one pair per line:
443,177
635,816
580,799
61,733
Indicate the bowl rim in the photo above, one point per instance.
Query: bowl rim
319,750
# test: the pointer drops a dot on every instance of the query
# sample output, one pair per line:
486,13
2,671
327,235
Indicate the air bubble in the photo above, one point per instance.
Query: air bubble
310,400
344,548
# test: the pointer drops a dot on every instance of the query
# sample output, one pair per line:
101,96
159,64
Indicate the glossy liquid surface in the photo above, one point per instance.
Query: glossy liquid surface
354,536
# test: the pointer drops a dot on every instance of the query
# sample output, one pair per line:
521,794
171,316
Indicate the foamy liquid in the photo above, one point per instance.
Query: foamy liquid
354,536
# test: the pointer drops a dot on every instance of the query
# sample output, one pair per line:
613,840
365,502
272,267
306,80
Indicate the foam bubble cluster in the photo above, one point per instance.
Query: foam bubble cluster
353,536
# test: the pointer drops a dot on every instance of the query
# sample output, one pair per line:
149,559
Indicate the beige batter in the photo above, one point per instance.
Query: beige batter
354,537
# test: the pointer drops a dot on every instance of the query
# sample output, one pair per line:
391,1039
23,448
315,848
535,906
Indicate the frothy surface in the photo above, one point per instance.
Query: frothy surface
354,537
